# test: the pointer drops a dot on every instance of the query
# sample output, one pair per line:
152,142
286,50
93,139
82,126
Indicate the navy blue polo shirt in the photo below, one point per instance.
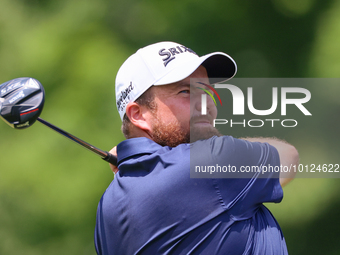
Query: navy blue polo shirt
153,206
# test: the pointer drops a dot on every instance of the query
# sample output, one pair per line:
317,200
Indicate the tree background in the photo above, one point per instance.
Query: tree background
49,187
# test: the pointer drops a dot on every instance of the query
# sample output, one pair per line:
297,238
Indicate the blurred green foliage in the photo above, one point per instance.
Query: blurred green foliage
49,187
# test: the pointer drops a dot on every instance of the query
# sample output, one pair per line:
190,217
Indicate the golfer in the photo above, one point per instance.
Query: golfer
153,206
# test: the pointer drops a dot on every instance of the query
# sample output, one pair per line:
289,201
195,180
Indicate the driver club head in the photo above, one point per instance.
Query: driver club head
21,102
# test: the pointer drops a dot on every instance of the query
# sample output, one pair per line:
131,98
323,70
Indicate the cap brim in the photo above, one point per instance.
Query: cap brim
220,67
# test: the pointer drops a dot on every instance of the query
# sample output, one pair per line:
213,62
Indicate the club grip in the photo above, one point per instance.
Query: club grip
111,158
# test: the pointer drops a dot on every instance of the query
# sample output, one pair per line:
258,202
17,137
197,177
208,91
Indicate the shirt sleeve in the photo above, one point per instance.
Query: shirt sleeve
243,195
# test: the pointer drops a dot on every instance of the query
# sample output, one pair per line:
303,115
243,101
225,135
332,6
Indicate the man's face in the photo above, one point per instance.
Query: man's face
177,118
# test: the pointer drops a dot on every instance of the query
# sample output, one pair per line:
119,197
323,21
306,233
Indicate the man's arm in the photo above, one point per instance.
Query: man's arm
114,168
289,156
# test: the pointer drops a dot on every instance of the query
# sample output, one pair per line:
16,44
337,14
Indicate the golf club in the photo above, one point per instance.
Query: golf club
21,103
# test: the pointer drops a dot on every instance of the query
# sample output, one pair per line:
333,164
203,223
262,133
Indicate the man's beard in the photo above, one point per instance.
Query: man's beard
169,134
202,133
173,134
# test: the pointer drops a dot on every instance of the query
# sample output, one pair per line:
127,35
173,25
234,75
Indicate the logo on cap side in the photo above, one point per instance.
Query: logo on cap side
171,52
124,97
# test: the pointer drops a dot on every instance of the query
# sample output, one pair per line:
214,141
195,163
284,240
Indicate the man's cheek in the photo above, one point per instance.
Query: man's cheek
212,110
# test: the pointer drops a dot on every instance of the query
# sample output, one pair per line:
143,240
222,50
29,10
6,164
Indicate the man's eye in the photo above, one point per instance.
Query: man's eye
186,91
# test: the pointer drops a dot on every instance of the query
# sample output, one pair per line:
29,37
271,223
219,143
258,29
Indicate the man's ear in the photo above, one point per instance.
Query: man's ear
139,116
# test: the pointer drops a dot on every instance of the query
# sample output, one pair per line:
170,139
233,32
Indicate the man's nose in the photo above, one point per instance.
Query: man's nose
202,102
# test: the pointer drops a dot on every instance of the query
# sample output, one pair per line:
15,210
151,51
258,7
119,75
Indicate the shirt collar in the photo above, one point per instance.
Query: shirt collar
135,146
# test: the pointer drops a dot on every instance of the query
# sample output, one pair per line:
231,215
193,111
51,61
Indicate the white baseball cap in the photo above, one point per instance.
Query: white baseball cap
164,63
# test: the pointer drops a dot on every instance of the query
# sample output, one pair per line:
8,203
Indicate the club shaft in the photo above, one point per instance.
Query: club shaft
103,154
